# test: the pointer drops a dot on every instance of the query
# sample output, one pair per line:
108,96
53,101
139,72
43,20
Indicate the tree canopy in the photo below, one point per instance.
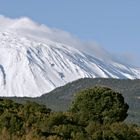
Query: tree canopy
99,104
94,115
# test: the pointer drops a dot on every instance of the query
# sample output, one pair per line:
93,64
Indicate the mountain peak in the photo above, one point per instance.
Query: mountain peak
33,64
29,67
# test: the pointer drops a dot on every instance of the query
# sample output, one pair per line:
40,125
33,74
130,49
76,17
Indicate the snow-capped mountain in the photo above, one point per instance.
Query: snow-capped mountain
32,66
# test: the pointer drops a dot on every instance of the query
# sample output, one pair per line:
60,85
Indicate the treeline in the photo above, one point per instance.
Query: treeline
94,114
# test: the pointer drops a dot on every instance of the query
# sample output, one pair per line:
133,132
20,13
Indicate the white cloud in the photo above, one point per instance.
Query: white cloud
29,27
128,57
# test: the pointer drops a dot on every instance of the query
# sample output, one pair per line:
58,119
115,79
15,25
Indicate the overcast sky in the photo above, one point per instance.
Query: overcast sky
113,25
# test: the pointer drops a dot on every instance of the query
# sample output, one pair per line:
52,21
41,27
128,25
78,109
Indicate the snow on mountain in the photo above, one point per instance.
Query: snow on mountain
31,65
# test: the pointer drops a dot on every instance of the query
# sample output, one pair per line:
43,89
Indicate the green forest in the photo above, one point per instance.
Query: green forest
97,113
61,98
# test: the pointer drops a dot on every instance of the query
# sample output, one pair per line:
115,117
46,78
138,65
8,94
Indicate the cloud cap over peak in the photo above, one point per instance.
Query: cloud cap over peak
26,26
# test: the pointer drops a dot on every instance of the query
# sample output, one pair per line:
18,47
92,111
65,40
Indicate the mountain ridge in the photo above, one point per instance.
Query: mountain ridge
31,66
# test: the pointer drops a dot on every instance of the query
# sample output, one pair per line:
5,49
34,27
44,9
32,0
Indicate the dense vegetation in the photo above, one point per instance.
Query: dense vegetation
60,98
95,114
101,105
